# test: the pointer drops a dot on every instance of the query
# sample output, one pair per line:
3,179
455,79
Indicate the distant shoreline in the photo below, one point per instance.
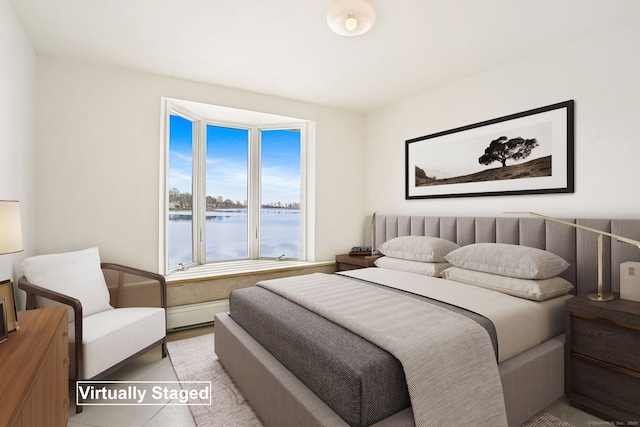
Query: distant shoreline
222,210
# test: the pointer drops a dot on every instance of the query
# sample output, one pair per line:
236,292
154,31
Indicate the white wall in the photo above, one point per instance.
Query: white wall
17,136
98,159
98,139
599,72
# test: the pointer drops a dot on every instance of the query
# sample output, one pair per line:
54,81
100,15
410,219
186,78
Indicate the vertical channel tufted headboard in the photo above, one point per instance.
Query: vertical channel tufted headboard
576,246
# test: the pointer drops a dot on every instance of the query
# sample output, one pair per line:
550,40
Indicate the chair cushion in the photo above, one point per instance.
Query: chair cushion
76,274
111,336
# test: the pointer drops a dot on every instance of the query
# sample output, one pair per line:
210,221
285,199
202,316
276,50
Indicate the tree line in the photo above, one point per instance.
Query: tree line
184,201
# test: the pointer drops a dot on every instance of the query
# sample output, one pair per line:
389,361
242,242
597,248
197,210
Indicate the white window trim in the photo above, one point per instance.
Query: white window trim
265,121
255,184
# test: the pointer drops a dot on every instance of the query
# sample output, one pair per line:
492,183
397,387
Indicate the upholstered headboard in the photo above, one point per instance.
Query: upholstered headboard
576,246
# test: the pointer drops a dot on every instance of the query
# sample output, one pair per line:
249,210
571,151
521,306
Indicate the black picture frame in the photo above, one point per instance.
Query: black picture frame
11,314
473,160
4,332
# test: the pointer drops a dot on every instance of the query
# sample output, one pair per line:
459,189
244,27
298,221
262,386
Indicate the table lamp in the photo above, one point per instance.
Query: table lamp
10,242
10,230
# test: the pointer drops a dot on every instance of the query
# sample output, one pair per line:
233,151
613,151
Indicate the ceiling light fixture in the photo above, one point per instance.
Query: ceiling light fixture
351,23
351,17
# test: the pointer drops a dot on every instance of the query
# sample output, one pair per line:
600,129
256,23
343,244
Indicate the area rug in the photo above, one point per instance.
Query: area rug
544,419
194,359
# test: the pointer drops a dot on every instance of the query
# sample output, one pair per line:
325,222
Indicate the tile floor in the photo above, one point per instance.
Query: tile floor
152,367
561,409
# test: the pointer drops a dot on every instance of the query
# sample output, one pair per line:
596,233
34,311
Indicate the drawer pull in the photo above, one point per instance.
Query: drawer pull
606,321
606,365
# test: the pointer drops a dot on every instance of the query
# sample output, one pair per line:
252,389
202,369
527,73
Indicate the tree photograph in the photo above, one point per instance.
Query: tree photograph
523,153
516,154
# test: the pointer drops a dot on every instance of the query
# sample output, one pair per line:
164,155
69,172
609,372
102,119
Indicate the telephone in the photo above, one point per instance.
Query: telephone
360,250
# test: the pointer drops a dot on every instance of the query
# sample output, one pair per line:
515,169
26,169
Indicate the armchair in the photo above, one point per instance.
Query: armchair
105,330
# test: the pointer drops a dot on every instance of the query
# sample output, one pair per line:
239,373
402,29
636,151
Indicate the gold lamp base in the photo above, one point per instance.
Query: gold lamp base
594,296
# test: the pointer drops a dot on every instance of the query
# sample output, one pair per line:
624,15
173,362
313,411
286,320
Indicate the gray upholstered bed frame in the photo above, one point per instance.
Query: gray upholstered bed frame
531,380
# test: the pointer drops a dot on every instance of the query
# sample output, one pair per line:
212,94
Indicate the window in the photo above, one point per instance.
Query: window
280,193
234,190
227,190
180,231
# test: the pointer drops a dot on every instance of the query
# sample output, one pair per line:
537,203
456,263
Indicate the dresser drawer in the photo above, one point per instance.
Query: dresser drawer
605,340
615,389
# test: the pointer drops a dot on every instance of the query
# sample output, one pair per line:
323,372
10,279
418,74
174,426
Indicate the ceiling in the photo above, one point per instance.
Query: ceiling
285,48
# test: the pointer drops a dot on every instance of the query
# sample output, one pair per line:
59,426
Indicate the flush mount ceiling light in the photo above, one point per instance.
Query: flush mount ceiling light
351,17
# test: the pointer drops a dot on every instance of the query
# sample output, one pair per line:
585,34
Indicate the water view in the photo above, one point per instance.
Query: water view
227,235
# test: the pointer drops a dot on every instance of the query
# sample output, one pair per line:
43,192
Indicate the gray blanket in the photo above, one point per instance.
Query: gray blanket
448,359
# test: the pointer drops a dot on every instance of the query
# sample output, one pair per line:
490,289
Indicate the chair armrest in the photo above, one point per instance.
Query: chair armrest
33,290
142,273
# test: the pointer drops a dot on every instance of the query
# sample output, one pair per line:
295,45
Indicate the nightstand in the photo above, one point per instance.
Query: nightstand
352,262
602,358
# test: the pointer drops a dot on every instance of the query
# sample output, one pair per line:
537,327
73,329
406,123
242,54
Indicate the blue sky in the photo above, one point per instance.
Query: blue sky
227,153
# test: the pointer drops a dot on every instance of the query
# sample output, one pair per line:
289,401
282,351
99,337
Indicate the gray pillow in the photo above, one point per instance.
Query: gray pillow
418,248
427,268
535,290
508,260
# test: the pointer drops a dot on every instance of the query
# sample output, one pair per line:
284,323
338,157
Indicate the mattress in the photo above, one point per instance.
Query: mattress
359,381
520,324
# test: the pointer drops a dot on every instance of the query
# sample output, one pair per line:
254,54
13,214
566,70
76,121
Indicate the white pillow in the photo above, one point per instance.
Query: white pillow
427,268
418,248
76,274
535,290
508,260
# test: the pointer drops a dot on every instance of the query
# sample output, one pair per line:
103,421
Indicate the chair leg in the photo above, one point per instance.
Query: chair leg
164,347
78,398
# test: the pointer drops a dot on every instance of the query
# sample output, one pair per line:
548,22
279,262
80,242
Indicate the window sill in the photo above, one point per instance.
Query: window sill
239,268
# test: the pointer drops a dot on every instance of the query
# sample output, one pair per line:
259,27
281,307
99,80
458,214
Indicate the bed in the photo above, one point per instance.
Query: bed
300,359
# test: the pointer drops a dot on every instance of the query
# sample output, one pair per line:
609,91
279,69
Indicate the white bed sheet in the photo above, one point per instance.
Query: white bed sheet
520,324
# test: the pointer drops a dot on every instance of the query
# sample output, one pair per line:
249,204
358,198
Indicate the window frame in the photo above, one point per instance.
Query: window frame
195,142
254,202
257,193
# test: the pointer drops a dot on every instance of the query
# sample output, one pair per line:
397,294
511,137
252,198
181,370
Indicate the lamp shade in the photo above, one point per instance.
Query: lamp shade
10,230
351,17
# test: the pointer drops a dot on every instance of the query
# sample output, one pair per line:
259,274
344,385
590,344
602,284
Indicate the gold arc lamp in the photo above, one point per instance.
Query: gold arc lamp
373,235
351,17
599,295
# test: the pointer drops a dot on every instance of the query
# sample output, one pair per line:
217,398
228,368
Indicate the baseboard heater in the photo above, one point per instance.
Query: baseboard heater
194,315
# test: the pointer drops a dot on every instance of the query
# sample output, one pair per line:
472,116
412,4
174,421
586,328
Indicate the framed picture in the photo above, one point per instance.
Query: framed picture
6,292
525,153
4,332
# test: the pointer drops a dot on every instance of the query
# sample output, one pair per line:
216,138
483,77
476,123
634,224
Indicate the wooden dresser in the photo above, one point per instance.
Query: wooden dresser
602,358
34,367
